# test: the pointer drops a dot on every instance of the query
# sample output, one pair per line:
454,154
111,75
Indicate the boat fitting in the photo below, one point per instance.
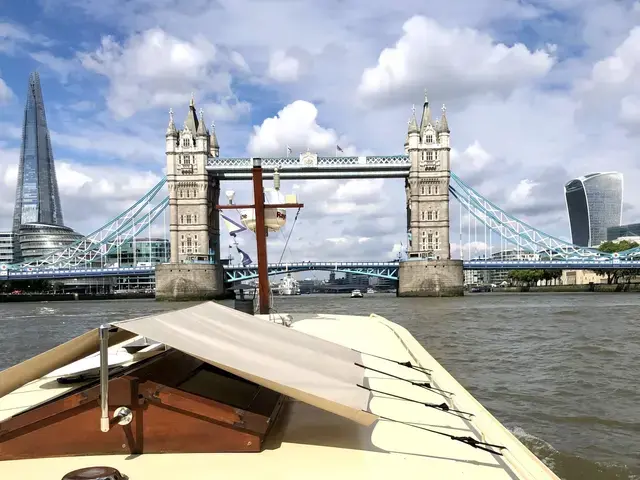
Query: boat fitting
94,473
104,377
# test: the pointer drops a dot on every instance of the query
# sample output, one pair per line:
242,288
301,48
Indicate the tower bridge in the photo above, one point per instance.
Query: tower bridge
195,170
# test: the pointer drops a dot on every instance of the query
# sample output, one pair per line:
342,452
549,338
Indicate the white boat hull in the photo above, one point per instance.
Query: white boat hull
307,442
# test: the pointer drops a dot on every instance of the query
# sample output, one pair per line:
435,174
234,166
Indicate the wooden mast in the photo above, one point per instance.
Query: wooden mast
261,238
261,233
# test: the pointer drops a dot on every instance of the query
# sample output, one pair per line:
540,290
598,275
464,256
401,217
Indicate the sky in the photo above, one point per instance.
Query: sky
537,92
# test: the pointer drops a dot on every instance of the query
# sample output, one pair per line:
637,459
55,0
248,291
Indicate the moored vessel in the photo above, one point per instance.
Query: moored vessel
289,286
356,294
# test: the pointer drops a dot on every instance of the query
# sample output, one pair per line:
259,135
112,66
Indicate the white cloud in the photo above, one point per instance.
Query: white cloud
615,80
155,69
521,194
61,66
630,109
282,67
6,94
13,36
114,143
238,60
453,62
227,109
619,68
473,158
296,126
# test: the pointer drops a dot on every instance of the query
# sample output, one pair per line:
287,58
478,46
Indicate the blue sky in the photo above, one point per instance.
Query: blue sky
537,92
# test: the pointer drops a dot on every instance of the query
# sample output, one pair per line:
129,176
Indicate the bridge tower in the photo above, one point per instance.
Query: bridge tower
195,271
429,270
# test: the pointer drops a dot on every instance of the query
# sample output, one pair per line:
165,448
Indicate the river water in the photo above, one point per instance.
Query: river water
560,370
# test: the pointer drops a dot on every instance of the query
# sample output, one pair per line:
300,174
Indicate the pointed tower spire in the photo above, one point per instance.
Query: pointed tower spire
202,130
426,112
192,103
444,125
171,129
214,148
413,124
192,117
214,138
406,140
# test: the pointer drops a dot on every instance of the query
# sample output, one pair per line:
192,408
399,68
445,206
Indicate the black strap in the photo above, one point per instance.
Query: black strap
472,442
442,406
412,382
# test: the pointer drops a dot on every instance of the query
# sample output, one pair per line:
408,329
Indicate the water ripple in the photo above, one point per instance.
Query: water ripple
559,370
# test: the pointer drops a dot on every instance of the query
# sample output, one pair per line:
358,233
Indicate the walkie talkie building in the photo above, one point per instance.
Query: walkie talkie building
594,203
37,216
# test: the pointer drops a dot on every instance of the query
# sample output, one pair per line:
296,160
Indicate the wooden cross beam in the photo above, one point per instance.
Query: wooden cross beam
261,232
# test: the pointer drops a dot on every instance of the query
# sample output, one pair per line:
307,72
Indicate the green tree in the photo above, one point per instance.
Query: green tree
615,274
529,277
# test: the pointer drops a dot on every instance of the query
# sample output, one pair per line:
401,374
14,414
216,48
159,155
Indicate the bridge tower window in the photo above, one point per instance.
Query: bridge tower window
429,139
423,242
423,190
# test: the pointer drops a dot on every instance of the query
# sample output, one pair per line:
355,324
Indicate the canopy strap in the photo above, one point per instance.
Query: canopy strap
426,385
407,364
487,447
442,406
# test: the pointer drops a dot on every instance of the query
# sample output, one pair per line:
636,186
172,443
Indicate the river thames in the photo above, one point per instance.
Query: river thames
559,370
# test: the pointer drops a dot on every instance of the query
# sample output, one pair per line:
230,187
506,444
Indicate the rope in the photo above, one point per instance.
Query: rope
293,225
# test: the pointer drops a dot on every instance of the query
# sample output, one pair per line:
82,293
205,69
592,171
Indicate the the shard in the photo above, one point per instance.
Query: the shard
37,197
38,228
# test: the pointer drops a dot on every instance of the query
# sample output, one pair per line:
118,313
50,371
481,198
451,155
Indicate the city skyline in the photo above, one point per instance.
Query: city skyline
107,107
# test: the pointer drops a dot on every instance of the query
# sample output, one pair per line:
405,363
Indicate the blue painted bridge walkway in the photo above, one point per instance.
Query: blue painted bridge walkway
388,270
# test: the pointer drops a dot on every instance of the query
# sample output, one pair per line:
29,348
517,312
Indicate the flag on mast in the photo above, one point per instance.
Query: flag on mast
246,259
233,226
288,150
338,149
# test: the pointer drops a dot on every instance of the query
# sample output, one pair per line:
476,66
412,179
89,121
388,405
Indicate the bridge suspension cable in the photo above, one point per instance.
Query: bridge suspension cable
100,242
525,237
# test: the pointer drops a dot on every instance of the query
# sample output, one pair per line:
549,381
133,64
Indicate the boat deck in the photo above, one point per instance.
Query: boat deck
309,443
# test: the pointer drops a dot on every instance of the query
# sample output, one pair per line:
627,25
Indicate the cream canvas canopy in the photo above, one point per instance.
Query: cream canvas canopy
309,369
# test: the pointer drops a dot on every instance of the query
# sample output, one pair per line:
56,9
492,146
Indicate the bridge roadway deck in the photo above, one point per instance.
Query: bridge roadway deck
389,270
310,166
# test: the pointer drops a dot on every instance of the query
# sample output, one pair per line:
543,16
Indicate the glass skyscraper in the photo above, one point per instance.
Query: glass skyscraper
37,215
37,197
594,203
